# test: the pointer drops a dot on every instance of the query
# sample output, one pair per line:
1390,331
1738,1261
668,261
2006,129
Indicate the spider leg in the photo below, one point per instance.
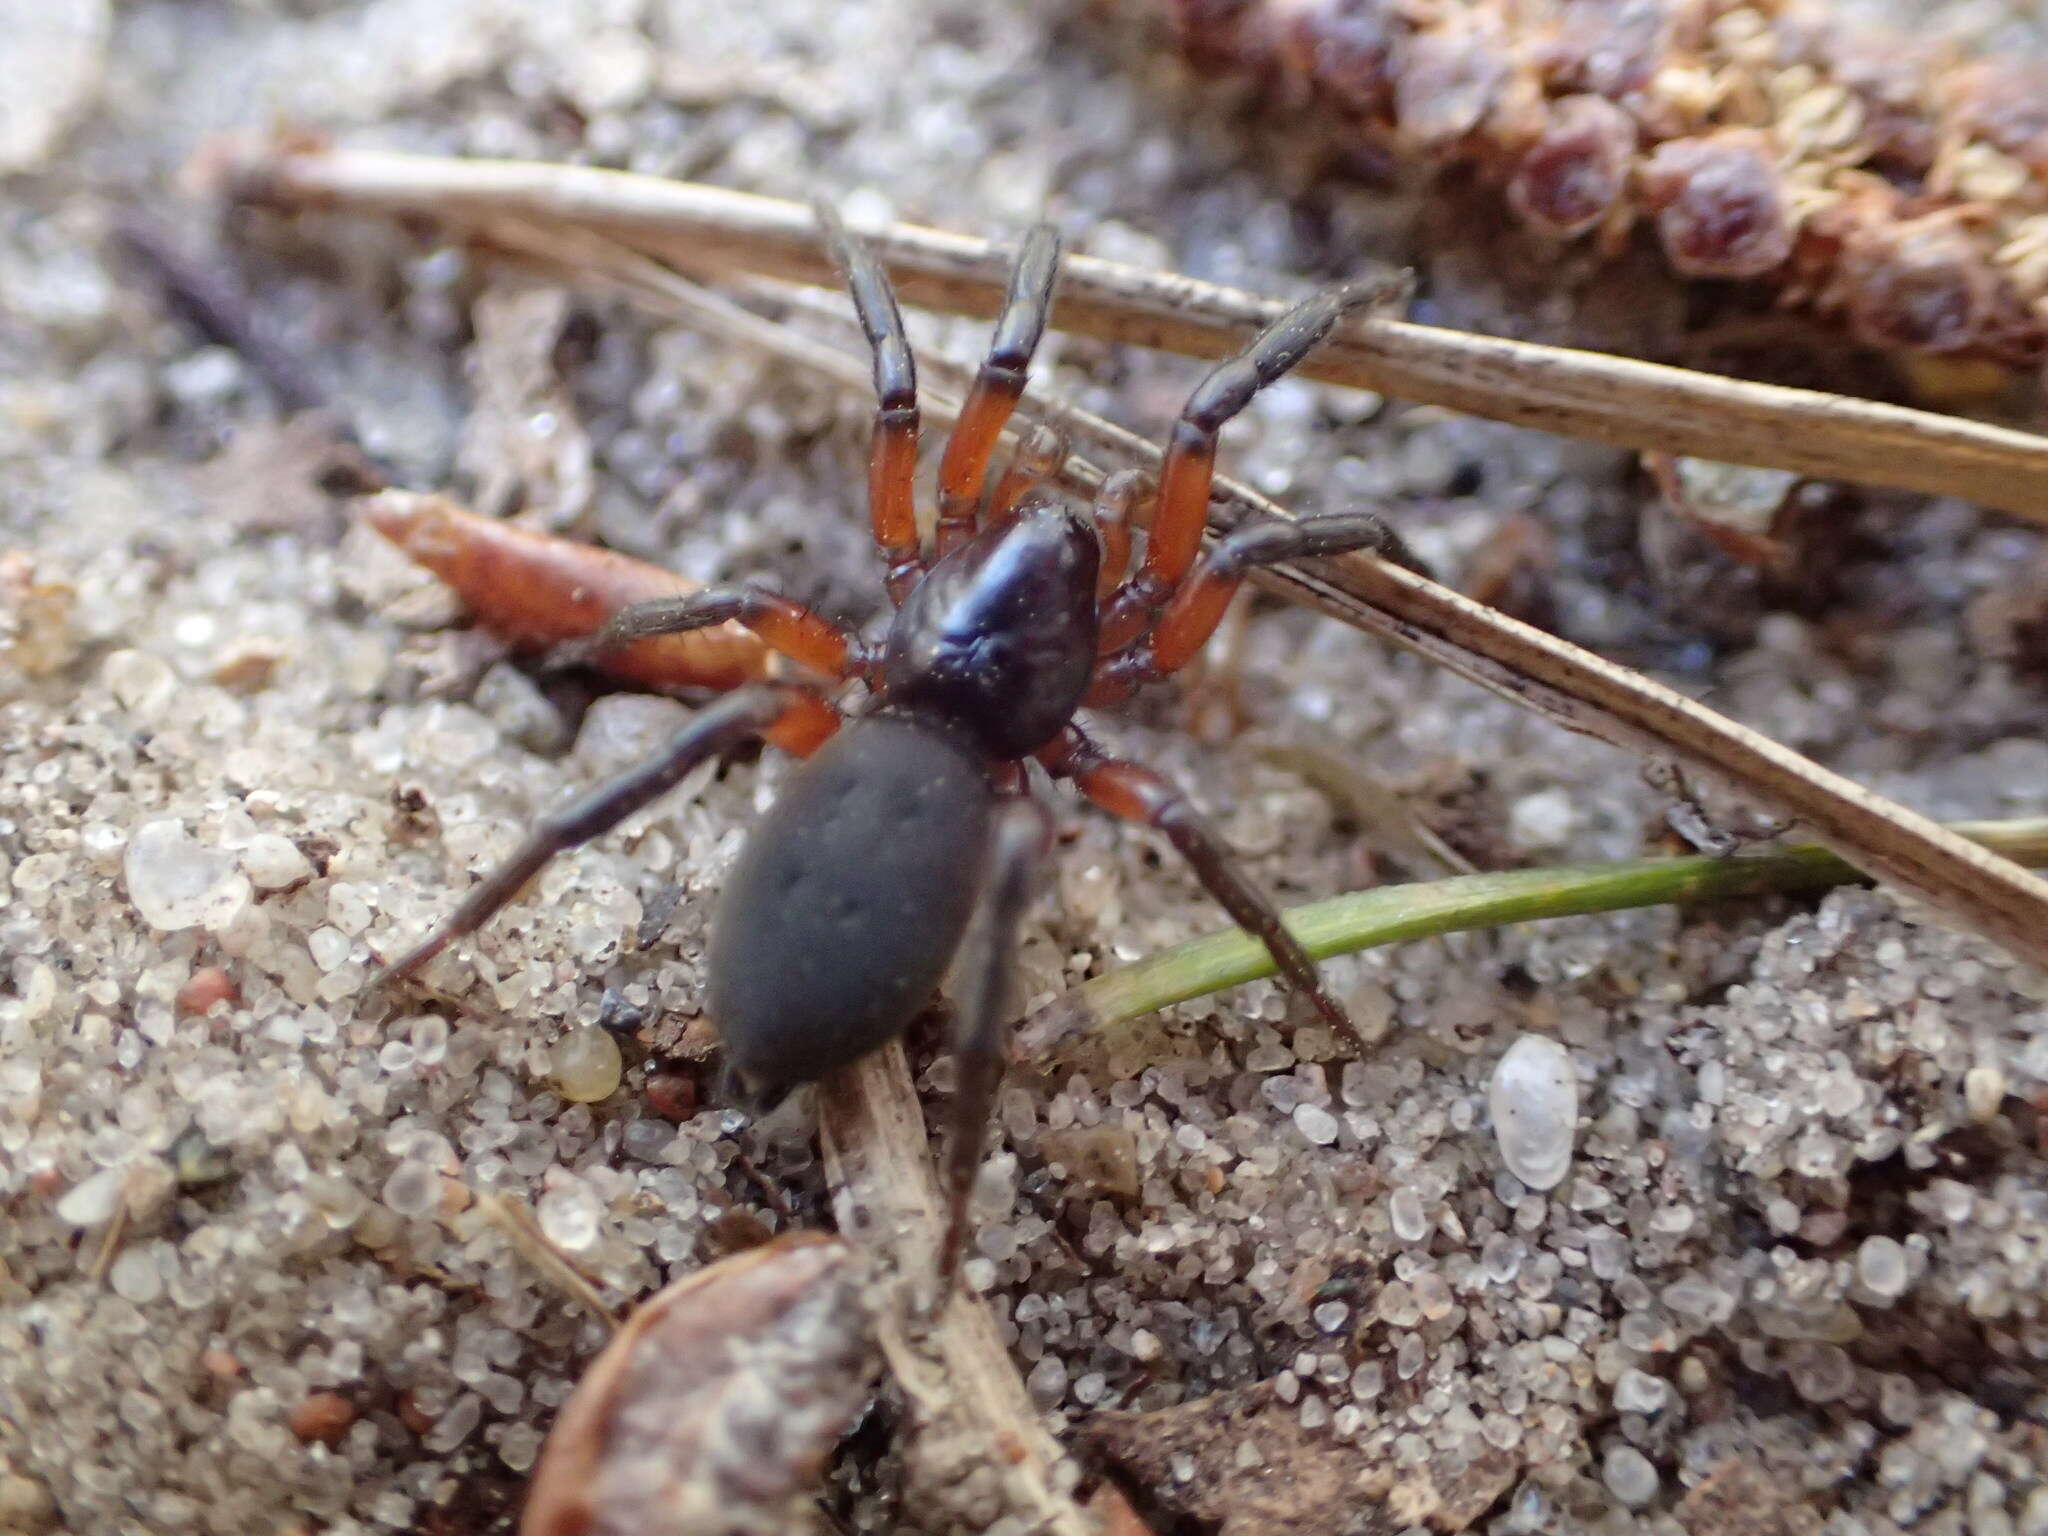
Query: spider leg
788,628
892,451
1197,606
793,718
963,470
1137,793
1037,460
1018,842
1190,464
1115,500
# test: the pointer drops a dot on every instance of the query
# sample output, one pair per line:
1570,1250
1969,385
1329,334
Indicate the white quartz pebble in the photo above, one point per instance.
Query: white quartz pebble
1535,1102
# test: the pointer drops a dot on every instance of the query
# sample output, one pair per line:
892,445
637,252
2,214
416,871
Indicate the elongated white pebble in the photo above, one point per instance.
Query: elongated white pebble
1534,1097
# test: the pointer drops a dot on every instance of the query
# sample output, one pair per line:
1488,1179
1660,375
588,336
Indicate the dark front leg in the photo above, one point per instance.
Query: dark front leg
792,717
1137,793
1019,839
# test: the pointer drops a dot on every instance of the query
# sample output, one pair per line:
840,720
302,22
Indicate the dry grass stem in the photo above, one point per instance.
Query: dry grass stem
1580,394
1526,665
523,1232
977,1448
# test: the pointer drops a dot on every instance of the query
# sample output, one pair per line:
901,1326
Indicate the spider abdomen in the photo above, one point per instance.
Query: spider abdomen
849,900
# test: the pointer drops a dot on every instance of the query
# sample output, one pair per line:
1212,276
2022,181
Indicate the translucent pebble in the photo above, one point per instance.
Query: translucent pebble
1501,1257
1396,1305
92,1200
1643,1332
1607,1253
1820,1373
1285,1094
1408,1356
135,1276
1405,1213
347,910
568,1215
1698,1300
37,873
1640,1392
1330,1316
449,1431
1629,1476
1881,1266
1433,1296
519,1446
329,947
171,875
1316,1123
414,1189
429,1039
144,684
1269,1058
585,1065
1534,1098
1048,1381
1983,1094
272,862
1542,820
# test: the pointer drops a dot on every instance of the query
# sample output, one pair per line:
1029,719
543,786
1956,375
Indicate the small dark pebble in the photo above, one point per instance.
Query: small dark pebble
672,1096
654,916
618,1015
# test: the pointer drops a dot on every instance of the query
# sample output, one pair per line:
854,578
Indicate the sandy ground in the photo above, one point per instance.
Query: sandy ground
245,1285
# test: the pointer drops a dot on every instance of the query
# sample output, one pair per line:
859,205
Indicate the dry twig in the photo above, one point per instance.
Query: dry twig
978,1445
1581,394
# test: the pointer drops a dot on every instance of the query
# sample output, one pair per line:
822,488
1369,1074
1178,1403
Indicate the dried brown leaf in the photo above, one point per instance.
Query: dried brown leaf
715,1408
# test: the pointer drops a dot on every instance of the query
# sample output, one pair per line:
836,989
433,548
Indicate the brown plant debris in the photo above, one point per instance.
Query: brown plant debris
1874,180
1244,1461
537,589
1740,1498
715,1407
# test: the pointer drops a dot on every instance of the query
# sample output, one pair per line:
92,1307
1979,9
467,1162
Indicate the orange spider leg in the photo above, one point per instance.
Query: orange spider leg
1198,604
963,471
1190,465
892,450
1116,505
1136,793
1037,460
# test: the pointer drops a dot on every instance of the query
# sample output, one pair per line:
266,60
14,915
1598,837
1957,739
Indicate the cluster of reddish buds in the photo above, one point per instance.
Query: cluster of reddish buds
1872,179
